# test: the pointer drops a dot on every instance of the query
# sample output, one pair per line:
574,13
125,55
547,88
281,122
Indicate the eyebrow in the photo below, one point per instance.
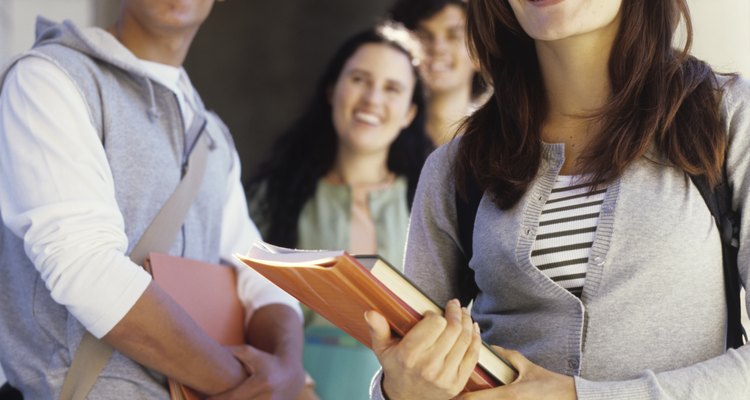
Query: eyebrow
390,81
400,84
358,71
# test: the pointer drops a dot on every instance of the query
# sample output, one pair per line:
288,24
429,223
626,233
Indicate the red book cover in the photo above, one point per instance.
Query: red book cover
208,293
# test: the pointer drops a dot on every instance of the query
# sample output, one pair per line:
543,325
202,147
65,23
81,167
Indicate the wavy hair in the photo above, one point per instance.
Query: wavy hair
661,98
306,152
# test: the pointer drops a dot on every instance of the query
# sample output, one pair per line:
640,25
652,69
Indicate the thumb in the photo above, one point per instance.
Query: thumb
380,332
518,360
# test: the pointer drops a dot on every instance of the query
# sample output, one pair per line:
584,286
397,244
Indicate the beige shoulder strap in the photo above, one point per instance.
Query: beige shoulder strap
93,354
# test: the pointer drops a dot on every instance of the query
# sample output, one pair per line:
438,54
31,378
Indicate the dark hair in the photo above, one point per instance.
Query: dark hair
412,12
661,97
307,151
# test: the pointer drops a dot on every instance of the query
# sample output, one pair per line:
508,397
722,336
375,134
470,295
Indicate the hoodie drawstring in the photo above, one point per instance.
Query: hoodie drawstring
153,112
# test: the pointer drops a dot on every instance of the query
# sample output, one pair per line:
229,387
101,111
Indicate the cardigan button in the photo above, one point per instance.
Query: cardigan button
573,363
598,261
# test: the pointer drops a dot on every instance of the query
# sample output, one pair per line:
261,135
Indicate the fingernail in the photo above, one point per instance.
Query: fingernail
367,318
465,310
476,328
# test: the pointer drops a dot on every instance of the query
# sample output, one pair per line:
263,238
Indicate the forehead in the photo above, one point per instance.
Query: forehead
381,59
449,17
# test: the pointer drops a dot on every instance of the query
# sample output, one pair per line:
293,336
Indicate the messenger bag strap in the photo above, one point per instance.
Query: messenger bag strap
93,354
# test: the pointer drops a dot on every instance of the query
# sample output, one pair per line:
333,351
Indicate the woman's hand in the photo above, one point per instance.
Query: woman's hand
533,382
433,361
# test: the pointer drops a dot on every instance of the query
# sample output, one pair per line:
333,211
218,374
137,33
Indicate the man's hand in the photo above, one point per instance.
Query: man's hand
271,377
273,357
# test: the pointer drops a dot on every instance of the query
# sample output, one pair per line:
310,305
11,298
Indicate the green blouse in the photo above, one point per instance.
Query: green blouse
325,219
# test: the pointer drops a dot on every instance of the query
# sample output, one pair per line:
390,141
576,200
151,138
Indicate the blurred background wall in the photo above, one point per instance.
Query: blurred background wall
255,62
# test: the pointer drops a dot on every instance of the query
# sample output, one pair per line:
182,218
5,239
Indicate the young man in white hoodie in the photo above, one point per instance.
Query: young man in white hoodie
95,127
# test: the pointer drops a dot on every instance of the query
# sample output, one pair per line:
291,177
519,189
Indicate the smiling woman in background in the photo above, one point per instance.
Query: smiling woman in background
343,177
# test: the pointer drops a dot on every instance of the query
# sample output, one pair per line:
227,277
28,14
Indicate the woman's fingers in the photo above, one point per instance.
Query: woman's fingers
427,331
456,338
471,357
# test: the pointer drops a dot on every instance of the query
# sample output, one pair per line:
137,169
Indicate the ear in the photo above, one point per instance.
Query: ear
409,117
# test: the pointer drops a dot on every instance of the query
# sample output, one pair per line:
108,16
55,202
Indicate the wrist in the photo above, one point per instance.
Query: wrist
231,378
234,377
571,384
386,394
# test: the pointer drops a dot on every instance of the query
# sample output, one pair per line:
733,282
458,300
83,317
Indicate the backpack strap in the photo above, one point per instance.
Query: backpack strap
719,202
466,214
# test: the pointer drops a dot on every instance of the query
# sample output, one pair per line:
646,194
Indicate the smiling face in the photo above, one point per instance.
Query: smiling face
549,20
372,98
447,64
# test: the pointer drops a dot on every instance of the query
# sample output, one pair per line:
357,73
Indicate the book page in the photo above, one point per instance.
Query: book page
281,256
400,285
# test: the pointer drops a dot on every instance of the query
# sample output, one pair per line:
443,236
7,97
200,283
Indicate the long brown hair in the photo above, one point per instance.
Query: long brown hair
307,150
661,97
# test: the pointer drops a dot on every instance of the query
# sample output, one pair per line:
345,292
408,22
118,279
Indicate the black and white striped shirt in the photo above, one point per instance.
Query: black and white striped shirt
566,232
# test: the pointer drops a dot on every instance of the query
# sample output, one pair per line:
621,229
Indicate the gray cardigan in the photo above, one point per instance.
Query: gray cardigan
651,320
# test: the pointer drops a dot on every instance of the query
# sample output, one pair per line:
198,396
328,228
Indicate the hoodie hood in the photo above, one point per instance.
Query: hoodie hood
97,44
92,41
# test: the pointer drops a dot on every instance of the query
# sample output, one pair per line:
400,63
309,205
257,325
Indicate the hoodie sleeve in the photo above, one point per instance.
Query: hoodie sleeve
57,194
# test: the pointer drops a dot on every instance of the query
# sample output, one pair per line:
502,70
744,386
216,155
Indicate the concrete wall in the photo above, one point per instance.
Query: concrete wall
17,19
722,33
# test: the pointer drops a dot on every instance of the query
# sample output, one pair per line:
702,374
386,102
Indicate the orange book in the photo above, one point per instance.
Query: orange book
208,293
341,287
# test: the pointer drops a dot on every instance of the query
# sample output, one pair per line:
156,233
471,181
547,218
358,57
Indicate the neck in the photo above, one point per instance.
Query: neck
445,110
361,169
168,48
576,73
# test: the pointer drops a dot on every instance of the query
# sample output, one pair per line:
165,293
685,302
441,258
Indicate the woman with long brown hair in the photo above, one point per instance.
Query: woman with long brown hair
343,176
594,256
